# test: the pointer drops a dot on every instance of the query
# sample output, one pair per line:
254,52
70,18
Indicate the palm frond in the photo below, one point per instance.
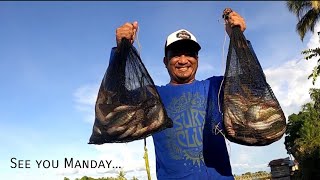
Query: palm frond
307,22
316,17
298,7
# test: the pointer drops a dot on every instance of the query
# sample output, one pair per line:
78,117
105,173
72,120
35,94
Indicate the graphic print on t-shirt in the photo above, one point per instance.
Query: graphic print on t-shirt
187,113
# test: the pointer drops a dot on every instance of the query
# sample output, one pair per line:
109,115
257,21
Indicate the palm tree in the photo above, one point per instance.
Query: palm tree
122,175
307,12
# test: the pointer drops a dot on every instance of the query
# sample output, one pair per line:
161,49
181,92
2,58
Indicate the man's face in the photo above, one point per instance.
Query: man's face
182,64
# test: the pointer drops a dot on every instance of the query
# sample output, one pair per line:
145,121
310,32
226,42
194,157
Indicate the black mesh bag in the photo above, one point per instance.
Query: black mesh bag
252,115
128,106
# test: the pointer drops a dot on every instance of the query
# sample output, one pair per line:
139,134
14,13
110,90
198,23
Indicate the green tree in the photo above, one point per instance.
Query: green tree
134,178
84,178
121,176
308,13
65,178
302,138
310,53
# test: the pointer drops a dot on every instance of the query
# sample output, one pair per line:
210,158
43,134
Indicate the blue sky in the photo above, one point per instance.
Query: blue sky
53,56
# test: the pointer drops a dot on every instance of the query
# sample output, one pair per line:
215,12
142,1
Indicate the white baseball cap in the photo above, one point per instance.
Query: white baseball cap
182,35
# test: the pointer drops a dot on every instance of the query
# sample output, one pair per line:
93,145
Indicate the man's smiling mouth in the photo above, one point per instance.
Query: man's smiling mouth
185,68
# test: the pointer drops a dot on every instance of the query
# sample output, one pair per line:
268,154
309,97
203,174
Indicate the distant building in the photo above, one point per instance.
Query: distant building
283,169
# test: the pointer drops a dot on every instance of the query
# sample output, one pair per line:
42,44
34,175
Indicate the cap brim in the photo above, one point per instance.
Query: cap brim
184,43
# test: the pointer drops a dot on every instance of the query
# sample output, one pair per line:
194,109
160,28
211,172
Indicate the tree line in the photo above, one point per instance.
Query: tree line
120,176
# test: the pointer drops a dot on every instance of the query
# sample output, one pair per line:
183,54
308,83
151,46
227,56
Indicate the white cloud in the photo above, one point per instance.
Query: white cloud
249,166
86,95
289,81
315,38
206,68
85,98
67,171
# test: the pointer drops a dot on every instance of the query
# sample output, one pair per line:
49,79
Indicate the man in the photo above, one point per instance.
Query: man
194,149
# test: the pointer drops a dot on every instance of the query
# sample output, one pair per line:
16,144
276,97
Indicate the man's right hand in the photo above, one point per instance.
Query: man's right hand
233,19
128,31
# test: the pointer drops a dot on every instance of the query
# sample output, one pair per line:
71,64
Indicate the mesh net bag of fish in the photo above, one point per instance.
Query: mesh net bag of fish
128,106
252,114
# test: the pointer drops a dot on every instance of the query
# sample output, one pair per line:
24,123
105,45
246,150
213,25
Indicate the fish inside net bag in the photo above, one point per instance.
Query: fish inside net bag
128,106
252,115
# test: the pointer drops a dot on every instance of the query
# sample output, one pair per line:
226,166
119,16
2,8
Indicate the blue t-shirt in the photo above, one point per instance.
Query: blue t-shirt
193,149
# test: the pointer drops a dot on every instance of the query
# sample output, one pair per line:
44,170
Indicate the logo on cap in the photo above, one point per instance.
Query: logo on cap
183,35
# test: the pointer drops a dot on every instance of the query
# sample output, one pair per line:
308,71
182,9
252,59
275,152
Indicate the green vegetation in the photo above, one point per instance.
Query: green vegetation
308,13
120,176
260,175
310,53
302,139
